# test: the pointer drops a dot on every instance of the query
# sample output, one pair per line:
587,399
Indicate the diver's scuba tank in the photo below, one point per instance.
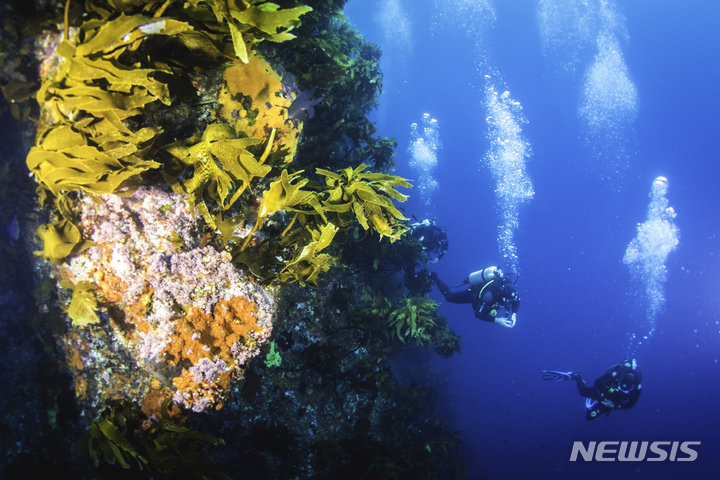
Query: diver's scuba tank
484,276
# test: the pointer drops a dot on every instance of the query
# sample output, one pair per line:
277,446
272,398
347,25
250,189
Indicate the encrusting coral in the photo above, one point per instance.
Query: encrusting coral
187,304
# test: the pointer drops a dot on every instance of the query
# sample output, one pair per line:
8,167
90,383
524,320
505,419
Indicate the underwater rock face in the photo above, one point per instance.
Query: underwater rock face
176,306
163,315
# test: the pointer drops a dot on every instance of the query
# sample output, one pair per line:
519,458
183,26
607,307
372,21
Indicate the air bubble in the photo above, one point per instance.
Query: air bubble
647,253
423,157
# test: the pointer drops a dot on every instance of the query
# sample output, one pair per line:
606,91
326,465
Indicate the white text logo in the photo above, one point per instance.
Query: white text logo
634,451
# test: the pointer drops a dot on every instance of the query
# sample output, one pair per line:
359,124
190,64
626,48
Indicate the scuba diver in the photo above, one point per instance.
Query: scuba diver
491,292
618,389
433,238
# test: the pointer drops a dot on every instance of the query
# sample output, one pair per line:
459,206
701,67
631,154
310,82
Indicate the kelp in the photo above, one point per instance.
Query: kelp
177,450
108,437
349,198
281,195
412,319
92,141
252,21
66,159
369,196
87,145
106,82
307,265
83,306
17,93
61,238
352,195
220,162
162,444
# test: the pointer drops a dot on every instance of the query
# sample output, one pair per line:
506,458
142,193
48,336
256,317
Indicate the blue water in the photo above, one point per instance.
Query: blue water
604,96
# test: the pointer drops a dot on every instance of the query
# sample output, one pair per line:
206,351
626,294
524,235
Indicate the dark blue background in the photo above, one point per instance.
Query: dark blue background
578,310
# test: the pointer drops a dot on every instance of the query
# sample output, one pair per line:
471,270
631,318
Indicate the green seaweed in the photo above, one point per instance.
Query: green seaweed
414,319
273,357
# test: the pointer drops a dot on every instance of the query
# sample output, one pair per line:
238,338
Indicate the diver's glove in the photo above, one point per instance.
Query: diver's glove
506,322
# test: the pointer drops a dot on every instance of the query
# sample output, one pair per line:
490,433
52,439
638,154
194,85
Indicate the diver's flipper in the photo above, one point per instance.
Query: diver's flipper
553,376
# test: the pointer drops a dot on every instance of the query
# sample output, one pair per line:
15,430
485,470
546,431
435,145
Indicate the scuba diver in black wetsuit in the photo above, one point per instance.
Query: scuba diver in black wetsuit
432,237
618,389
492,294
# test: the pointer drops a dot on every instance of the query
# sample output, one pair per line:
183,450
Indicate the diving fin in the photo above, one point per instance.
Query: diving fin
553,376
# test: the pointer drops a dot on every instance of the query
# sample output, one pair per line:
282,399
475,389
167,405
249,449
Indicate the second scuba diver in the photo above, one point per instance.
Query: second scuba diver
618,389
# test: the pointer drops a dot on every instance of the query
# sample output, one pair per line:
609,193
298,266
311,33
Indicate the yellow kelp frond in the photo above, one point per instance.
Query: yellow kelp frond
309,262
124,31
65,159
220,162
253,21
94,61
267,17
87,145
61,238
83,306
282,194
369,196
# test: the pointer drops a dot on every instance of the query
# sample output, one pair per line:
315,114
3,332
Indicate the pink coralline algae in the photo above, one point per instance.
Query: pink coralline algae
149,261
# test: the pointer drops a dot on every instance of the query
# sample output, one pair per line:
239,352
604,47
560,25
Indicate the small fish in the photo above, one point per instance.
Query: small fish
302,106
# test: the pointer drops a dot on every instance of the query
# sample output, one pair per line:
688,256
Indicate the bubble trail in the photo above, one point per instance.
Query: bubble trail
507,159
423,149
397,27
592,32
567,29
647,253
